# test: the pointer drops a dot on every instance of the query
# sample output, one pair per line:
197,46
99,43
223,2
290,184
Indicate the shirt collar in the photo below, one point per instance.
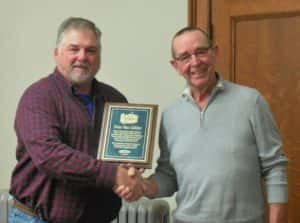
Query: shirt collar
219,87
70,88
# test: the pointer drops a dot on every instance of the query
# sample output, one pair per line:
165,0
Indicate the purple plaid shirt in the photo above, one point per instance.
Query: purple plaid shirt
57,174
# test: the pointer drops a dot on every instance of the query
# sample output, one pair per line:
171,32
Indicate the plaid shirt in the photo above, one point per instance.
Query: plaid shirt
57,174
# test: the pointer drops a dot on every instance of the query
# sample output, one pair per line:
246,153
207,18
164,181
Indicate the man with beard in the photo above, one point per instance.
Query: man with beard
218,142
57,178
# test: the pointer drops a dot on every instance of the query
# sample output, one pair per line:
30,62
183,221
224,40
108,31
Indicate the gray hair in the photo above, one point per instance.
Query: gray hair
77,23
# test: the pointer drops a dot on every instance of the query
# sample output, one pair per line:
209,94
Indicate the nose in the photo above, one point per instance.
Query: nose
194,60
82,55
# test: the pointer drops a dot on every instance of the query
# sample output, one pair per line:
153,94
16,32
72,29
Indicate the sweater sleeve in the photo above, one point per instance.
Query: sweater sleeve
269,145
165,175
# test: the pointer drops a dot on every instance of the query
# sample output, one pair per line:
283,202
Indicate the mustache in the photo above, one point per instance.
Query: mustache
80,65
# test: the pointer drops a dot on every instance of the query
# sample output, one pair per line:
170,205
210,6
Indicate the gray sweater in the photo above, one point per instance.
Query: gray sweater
215,159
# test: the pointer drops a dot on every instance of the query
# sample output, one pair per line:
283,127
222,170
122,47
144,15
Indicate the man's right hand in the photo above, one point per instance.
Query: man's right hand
129,183
142,186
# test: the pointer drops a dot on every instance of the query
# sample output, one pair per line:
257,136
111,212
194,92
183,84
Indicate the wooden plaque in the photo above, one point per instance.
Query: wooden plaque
127,134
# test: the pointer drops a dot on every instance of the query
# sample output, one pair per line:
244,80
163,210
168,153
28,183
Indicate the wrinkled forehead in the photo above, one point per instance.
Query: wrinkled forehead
189,41
79,35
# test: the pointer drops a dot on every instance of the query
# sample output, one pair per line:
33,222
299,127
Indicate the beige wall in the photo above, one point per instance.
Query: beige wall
136,52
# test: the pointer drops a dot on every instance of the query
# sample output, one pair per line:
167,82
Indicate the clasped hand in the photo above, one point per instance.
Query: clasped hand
129,183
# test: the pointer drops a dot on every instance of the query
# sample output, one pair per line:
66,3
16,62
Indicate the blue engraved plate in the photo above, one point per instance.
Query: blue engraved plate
127,133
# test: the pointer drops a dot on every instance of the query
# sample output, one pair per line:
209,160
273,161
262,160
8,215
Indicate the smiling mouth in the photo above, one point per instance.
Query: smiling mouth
80,67
198,73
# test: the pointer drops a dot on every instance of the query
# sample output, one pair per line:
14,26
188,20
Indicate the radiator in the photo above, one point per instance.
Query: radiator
142,211
5,204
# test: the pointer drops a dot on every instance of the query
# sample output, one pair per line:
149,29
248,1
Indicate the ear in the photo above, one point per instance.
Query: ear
55,51
174,64
216,51
55,54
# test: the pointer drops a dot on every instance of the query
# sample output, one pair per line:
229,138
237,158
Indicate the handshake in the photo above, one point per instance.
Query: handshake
130,185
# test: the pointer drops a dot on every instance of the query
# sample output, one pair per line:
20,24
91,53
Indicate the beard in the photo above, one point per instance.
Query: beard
81,75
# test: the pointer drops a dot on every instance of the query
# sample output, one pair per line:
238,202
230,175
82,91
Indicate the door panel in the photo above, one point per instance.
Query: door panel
259,43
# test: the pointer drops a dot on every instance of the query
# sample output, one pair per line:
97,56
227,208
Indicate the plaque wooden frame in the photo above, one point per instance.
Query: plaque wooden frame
128,133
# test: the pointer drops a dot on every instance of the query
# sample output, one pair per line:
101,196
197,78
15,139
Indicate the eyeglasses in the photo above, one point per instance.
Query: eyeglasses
199,53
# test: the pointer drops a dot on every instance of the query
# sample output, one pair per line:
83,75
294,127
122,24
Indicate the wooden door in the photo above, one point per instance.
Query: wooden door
259,43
